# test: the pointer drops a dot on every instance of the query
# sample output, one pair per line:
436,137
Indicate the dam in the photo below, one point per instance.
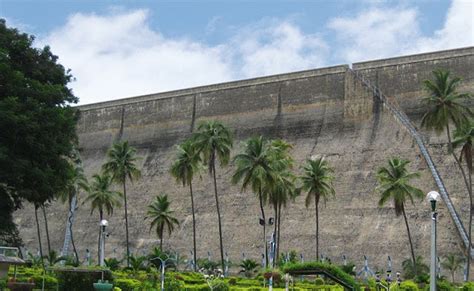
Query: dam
333,112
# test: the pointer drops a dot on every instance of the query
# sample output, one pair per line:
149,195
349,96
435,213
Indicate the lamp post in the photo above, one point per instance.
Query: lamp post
164,263
433,197
103,224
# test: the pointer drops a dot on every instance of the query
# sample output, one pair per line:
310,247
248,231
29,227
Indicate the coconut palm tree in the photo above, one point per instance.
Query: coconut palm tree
213,141
445,106
254,169
463,138
183,169
121,165
101,197
77,182
394,184
162,217
452,263
317,182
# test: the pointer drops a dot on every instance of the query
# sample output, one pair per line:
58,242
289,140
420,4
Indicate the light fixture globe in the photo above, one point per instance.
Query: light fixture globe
104,222
433,197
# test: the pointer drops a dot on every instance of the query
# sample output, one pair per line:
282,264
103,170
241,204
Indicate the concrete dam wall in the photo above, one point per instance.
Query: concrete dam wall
325,112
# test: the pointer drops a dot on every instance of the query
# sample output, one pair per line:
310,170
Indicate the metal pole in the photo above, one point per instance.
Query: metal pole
162,275
433,252
102,245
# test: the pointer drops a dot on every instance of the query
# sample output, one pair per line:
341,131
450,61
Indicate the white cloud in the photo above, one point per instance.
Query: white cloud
375,33
277,47
458,29
383,31
118,55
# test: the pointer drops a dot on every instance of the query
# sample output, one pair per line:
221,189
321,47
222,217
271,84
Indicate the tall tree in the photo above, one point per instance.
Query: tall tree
463,138
102,198
70,195
394,184
282,189
317,182
254,169
214,141
37,124
162,217
183,169
121,165
447,106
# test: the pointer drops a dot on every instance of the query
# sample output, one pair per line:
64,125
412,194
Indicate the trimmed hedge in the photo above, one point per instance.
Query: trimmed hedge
333,270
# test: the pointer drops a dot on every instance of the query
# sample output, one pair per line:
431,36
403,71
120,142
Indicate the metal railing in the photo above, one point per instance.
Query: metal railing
405,121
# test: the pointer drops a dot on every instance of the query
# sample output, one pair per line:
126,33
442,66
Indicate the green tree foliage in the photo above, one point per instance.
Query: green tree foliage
121,165
102,198
162,217
411,271
447,106
452,263
183,169
249,267
213,141
394,184
37,124
317,182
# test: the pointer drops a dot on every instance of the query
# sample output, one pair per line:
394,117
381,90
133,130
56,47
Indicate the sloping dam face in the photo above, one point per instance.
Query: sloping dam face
320,112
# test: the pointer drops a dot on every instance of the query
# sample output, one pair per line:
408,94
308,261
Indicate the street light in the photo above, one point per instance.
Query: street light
433,197
103,224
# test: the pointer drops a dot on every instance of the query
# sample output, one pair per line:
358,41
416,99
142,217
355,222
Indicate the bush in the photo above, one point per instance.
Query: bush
171,284
409,286
80,279
232,281
319,281
219,285
468,286
127,284
50,282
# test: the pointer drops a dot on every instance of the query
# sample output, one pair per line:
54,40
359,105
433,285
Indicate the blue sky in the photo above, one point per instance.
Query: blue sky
118,49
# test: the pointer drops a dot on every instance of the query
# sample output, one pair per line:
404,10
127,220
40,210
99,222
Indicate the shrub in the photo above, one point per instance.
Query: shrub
3,284
80,279
50,282
219,285
409,286
127,284
468,286
319,281
171,284
232,281
443,285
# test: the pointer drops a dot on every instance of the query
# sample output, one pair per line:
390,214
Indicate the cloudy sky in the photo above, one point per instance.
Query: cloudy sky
123,48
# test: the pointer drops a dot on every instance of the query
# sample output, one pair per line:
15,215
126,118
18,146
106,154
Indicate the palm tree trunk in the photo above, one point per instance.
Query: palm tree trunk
39,236
316,202
194,226
278,236
72,208
260,198
469,190
275,229
470,226
409,239
101,216
218,213
46,229
161,239
126,221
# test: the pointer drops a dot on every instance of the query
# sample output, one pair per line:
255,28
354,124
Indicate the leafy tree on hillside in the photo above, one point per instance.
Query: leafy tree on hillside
37,125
